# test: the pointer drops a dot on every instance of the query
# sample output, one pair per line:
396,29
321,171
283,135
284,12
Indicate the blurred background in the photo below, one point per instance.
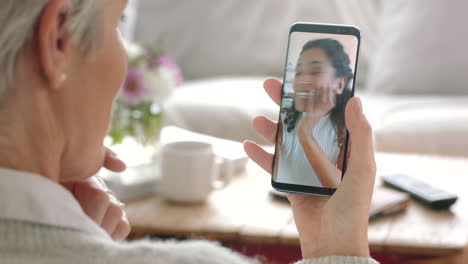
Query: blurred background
212,57
413,68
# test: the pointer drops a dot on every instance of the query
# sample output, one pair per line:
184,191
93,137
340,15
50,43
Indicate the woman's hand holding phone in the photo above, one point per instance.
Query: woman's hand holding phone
336,225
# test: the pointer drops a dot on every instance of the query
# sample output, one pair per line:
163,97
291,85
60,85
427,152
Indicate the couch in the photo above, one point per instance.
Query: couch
413,73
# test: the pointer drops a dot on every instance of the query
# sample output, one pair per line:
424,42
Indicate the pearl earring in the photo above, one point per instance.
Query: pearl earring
63,77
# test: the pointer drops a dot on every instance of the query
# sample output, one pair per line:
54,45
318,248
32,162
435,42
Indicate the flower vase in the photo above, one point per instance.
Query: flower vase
135,132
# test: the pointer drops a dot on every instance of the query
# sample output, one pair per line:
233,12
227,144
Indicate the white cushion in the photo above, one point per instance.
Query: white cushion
422,48
225,107
222,107
419,124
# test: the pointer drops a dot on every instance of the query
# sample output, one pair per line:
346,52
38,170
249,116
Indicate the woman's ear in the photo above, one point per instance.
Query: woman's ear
341,85
54,42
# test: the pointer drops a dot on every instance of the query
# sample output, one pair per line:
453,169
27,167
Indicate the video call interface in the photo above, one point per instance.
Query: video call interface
318,83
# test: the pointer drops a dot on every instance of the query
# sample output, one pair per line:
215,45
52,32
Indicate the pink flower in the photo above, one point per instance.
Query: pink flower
133,90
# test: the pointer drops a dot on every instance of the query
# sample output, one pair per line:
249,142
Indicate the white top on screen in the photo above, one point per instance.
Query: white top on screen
294,167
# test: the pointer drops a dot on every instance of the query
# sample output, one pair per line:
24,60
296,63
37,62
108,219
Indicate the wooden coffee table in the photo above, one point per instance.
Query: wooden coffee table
245,213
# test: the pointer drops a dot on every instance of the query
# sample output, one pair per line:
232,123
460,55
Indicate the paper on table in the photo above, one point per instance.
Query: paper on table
386,201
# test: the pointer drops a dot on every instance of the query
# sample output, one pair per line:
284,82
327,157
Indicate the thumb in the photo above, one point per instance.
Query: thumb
358,181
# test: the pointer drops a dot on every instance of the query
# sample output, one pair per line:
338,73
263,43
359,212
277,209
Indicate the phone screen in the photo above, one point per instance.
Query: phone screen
312,139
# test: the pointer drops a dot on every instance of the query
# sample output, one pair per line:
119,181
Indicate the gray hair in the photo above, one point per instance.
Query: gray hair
18,19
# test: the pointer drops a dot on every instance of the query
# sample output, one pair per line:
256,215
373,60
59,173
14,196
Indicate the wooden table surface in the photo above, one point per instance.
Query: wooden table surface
244,212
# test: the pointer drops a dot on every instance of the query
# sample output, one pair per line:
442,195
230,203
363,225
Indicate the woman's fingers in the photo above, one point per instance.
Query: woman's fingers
122,230
115,220
274,88
112,162
93,200
101,206
112,217
259,155
266,127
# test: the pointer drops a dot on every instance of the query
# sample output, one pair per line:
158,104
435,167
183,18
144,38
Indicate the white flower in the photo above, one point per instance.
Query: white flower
159,84
133,50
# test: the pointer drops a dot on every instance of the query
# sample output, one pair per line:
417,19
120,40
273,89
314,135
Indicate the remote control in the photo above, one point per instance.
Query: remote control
429,195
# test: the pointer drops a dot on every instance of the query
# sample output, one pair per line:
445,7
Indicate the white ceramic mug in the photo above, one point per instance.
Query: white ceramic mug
190,171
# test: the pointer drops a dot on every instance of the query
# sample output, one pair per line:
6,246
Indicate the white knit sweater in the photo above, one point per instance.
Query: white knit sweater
41,222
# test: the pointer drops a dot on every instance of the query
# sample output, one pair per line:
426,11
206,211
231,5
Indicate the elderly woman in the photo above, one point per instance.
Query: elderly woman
62,65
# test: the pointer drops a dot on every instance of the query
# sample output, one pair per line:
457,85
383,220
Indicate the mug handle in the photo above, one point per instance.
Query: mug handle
223,172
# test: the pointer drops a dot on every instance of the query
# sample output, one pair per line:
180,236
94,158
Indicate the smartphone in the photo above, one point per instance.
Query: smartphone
312,140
